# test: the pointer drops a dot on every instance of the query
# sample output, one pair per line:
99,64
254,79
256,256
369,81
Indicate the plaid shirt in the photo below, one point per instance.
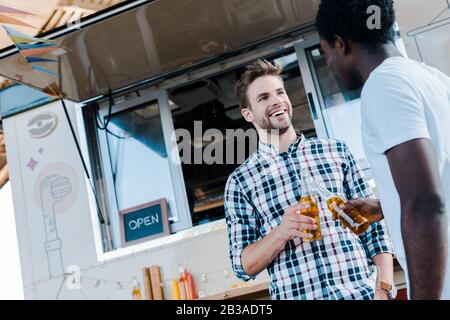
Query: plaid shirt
340,265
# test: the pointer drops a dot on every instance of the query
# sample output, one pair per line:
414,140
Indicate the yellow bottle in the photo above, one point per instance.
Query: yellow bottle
176,294
136,293
308,207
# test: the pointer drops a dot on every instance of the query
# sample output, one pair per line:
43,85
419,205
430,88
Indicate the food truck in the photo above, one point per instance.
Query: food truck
103,194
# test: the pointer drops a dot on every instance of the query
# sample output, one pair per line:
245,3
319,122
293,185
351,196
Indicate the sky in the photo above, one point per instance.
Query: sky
10,273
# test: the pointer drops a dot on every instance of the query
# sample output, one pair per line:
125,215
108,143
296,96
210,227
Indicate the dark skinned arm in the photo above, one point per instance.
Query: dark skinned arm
414,166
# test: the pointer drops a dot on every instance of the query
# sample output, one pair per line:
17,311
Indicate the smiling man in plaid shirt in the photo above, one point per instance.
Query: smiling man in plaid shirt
261,206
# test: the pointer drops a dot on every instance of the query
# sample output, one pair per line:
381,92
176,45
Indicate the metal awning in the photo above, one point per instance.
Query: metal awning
129,45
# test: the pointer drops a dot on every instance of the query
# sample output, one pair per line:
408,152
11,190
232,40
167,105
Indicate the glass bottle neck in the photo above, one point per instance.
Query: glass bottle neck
306,187
323,192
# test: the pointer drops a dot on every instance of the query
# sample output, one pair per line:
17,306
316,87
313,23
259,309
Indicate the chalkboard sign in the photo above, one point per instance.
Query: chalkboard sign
144,222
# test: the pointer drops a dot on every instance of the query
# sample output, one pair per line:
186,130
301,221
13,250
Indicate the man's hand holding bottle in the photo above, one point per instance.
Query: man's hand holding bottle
293,224
369,208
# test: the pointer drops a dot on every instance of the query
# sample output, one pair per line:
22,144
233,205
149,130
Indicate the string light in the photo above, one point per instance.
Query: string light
119,284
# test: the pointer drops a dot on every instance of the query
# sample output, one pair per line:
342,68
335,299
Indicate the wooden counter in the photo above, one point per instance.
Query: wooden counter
258,291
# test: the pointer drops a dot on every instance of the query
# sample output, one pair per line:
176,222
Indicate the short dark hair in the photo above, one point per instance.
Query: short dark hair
253,71
348,19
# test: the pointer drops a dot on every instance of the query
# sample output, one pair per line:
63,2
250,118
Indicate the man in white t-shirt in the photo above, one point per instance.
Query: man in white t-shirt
405,109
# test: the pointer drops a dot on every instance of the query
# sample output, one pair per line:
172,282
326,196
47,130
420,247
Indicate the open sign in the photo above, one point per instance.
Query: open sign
144,222
138,223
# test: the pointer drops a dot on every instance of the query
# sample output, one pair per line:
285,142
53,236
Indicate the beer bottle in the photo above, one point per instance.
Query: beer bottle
308,207
351,219
136,293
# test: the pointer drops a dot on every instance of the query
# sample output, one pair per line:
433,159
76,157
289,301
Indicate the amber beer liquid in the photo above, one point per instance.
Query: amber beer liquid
308,207
351,219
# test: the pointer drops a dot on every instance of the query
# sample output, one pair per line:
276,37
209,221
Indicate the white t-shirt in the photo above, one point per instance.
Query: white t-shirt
404,100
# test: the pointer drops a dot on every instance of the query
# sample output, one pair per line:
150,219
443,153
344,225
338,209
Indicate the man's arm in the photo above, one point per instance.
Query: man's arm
248,255
257,256
385,264
376,239
414,166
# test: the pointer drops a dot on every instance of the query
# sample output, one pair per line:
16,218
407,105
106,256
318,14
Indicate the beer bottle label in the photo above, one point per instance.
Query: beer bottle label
346,217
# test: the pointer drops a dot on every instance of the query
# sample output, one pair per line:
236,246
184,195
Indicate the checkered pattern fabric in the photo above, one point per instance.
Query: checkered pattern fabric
340,265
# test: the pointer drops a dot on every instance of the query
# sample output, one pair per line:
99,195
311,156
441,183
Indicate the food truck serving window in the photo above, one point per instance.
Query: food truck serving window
130,150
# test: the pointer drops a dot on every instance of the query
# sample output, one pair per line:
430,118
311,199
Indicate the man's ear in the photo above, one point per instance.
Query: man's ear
342,46
247,114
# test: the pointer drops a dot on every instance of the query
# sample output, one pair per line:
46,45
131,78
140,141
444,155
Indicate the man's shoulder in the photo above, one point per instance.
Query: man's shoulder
396,71
389,82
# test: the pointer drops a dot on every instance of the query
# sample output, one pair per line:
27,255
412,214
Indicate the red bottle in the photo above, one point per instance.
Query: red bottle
191,285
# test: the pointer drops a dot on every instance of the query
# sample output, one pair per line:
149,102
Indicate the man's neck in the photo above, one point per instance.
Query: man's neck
369,61
281,141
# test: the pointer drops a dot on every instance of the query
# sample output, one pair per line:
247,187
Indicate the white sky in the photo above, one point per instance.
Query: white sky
10,274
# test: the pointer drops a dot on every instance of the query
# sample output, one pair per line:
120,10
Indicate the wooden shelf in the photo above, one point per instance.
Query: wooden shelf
209,205
254,292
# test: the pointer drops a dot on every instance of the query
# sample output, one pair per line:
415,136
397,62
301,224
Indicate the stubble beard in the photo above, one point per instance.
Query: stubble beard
275,129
